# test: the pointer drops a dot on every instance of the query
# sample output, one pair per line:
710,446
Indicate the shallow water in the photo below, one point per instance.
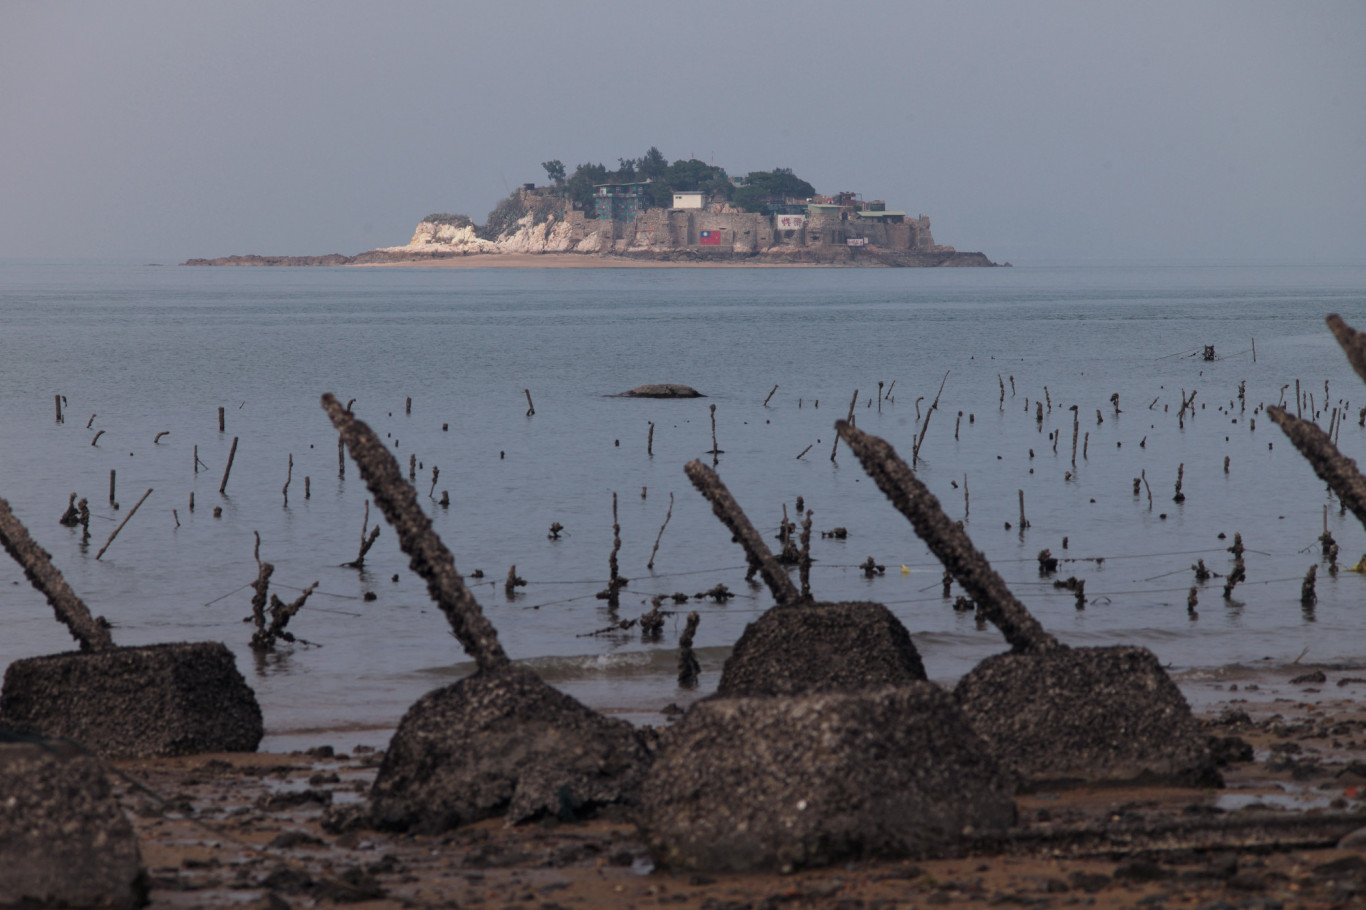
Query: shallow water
147,350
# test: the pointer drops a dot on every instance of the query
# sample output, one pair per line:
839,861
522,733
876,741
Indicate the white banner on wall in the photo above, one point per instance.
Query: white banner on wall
790,222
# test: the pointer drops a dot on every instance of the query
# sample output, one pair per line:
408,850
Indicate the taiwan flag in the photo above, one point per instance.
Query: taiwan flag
710,238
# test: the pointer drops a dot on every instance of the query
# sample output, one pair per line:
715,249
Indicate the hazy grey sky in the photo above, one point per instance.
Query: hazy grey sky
1030,131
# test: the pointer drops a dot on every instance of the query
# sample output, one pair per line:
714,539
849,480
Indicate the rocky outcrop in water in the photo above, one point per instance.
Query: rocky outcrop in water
718,233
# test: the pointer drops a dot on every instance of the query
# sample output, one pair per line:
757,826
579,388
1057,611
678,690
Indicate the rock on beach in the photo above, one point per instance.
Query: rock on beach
166,699
503,742
803,649
64,839
750,784
1086,714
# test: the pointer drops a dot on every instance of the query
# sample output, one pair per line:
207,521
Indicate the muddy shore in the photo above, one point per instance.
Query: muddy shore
247,830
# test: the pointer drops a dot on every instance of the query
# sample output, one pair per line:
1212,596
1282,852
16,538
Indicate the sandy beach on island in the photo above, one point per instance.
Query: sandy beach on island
244,830
586,261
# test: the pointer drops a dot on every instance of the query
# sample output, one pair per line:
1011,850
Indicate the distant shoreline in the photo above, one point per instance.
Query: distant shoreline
389,259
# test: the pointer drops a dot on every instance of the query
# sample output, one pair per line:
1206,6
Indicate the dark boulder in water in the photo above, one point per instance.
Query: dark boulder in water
745,784
662,390
806,648
156,700
503,742
64,839
1086,714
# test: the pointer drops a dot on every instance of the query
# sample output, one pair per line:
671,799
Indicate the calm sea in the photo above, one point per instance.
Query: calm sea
139,351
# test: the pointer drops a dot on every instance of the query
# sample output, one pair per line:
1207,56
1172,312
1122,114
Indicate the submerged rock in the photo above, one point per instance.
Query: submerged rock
1086,714
746,784
662,390
156,700
64,841
806,648
503,742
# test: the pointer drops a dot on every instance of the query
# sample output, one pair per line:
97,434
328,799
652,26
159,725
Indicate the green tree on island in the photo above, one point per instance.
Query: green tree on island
555,171
759,191
763,189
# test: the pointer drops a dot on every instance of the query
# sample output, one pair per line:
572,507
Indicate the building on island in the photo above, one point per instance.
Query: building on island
689,199
619,201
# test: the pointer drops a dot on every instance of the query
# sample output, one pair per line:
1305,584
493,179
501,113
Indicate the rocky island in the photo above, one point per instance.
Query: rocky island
651,212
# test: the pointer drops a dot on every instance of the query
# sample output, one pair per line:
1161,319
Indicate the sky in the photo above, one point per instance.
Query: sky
1059,131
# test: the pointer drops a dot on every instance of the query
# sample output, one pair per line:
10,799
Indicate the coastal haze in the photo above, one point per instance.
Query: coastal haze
160,132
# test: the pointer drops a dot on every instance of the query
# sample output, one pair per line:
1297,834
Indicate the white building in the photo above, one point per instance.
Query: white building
690,200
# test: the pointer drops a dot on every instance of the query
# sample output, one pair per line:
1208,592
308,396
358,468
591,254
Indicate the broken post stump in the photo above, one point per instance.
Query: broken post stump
775,784
64,839
498,742
1051,713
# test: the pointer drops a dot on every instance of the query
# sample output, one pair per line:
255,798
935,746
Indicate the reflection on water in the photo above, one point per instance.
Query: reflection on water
1033,359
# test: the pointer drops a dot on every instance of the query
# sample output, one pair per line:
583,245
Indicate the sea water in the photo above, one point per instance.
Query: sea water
145,357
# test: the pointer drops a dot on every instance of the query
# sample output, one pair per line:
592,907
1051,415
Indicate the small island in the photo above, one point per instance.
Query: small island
651,212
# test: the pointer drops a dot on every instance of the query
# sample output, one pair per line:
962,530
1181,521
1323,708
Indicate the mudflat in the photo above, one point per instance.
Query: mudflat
246,830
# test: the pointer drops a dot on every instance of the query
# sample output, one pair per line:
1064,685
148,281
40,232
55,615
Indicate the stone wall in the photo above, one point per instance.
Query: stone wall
658,232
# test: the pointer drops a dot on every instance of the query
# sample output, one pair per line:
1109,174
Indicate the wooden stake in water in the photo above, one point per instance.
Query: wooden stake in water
365,542
1076,426
111,486
650,440
44,576
127,518
835,448
530,408
775,388
715,449
58,399
289,475
667,515
614,581
220,418
232,453
688,667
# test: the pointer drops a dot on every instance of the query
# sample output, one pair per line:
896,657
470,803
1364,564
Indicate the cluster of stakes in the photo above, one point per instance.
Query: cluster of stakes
823,742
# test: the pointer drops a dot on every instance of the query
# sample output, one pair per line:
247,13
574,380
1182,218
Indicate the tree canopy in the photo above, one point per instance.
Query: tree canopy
758,192
763,189
760,189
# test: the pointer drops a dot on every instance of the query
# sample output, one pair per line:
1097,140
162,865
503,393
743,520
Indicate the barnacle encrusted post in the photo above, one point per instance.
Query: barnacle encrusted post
1332,467
44,576
427,555
756,551
947,541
